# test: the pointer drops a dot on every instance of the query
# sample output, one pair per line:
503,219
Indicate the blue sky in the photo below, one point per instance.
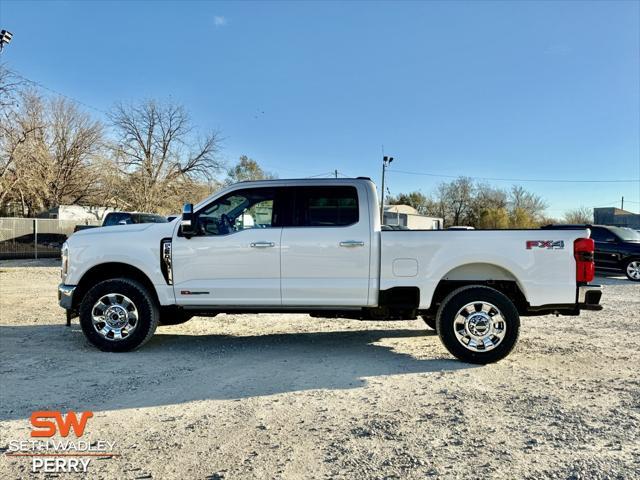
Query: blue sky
532,90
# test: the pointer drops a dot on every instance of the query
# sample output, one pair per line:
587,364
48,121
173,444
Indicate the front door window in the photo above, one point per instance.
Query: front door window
239,210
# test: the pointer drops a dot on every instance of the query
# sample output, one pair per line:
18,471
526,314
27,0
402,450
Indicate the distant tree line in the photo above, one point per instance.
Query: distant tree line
464,202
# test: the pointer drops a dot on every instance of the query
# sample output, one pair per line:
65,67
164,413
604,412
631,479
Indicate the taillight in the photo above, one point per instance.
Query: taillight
583,252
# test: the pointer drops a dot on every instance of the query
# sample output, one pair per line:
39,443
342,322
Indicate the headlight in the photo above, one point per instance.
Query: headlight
64,254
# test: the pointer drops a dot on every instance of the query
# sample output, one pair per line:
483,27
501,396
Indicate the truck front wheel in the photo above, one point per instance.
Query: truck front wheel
478,324
118,315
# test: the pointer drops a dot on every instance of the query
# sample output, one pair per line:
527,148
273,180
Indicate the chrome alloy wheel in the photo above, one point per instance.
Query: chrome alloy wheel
633,270
479,326
114,316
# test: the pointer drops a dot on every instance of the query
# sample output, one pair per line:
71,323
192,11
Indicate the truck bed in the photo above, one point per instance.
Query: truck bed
541,262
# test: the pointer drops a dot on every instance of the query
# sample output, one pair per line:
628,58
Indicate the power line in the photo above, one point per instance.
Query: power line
539,180
326,174
330,174
605,204
51,90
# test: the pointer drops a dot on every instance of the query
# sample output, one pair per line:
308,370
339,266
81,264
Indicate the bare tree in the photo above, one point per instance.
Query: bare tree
526,209
440,203
459,198
157,148
22,133
579,215
75,141
111,184
13,133
489,208
247,169
10,86
47,150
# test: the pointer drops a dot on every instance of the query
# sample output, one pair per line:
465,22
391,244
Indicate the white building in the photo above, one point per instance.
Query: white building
408,217
81,214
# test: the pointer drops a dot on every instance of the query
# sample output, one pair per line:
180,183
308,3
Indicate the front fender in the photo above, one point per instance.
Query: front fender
138,248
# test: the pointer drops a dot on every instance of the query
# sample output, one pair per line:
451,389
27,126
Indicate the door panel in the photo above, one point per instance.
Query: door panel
228,270
324,264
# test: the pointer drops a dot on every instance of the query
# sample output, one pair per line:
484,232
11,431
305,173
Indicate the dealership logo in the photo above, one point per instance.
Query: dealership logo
545,244
65,455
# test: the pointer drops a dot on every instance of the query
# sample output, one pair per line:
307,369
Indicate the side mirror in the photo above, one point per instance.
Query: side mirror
188,221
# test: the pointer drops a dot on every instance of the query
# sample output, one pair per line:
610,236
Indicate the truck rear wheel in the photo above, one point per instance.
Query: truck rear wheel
478,324
118,315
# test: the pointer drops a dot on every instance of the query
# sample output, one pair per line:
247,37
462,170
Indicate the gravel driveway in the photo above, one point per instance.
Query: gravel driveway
289,396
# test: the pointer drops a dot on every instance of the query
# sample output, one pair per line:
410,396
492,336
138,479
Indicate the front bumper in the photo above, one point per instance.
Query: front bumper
65,296
589,297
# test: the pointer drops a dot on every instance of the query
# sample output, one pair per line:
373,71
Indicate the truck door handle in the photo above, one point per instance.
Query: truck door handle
351,243
262,244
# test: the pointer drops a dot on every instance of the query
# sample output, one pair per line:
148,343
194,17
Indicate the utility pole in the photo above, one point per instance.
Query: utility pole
336,172
386,161
622,204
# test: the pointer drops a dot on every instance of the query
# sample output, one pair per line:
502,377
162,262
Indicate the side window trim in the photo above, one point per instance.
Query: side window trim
284,207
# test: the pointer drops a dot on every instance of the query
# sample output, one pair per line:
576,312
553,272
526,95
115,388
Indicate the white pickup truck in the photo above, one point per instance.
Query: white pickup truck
317,247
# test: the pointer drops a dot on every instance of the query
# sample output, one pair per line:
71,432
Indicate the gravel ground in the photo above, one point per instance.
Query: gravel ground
288,396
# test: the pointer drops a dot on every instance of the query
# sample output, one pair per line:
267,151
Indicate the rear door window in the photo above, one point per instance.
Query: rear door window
333,206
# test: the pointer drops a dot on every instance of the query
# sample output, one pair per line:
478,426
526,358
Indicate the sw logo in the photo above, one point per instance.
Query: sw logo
47,423
545,244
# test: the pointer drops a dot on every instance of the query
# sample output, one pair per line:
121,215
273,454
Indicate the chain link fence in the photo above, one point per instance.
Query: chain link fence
34,237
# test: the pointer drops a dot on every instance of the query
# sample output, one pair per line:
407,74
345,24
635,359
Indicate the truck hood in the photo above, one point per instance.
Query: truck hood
120,238
123,230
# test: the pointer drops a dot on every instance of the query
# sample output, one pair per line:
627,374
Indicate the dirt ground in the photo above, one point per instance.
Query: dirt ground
291,397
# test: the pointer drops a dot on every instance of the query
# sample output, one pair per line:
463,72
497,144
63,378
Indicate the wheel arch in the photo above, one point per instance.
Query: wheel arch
484,274
105,271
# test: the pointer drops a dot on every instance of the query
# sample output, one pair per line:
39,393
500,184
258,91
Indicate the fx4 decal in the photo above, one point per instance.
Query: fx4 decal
547,244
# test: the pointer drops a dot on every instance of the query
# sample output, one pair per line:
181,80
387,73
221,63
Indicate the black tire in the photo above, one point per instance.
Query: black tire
626,269
430,321
461,297
173,316
148,314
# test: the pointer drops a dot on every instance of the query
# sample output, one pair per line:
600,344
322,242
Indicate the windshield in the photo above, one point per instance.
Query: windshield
626,234
147,218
